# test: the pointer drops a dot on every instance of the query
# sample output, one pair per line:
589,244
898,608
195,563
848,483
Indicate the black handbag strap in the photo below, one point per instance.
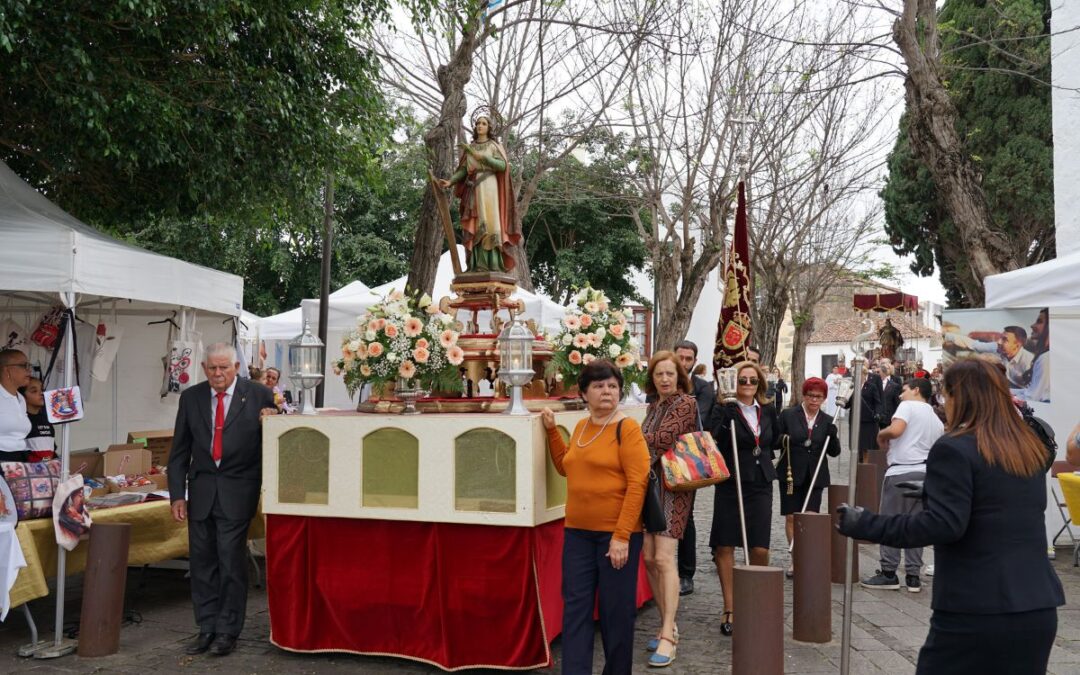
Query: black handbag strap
67,320
618,431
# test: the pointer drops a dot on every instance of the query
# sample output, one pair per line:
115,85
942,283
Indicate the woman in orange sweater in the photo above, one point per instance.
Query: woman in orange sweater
606,464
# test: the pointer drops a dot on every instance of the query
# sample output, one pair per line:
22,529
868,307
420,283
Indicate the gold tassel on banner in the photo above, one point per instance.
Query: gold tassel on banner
786,443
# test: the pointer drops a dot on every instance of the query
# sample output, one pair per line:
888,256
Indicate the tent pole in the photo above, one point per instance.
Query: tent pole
61,647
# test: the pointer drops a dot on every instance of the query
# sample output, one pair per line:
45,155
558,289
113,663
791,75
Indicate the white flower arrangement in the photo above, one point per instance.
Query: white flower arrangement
401,337
592,330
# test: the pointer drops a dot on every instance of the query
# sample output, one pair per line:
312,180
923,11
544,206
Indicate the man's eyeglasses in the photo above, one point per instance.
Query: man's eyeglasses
748,380
23,365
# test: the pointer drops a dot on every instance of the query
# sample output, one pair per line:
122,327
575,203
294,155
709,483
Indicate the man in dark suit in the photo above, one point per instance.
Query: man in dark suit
687,351
217,456
890,393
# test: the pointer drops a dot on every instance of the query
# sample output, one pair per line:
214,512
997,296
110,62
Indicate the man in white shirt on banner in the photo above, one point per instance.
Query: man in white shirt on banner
913,430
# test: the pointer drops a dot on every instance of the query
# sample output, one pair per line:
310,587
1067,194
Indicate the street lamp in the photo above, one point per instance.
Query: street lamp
306,358
516,363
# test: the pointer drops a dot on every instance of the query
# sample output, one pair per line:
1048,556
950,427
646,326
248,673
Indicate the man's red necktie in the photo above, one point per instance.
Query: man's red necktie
219,425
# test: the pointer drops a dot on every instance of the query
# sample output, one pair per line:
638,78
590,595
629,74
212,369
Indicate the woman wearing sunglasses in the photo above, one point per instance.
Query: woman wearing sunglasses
756,435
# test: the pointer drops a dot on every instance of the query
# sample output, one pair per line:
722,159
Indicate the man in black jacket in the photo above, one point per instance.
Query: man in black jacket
705,394
215,477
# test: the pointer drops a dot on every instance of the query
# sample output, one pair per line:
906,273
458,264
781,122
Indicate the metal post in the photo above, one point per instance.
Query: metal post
738,489
324,280
60,646
858,361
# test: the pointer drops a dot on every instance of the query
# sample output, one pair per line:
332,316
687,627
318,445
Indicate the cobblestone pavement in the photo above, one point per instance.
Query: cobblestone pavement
887,630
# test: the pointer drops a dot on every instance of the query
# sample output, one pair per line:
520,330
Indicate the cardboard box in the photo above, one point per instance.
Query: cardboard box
90,463
158,442
138,460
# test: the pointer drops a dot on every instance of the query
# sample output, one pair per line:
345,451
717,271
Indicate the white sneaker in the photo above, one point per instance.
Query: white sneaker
1051,552
929,570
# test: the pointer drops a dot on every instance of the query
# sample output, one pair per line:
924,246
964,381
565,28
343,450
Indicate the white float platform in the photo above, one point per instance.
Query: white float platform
473,468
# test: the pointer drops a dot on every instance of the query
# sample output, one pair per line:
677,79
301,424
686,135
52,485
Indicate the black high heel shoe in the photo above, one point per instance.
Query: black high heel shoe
726,626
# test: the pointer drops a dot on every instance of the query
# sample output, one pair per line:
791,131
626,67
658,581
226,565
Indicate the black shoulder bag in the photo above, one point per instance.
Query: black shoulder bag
652,511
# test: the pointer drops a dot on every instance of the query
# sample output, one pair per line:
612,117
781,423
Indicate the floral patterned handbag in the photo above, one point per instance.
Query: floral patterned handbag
693,462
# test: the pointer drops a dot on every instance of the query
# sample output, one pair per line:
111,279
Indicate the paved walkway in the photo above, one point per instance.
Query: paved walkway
888,628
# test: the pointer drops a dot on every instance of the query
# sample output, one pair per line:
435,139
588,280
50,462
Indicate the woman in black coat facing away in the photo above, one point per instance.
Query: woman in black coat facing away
995,594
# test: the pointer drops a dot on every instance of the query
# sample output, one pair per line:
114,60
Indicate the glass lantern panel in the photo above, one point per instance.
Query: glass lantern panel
555,484
303,467
391,469
485,471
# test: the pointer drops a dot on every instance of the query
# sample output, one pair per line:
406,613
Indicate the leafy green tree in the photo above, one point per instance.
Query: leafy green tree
121,109
996,55
578,230
279,252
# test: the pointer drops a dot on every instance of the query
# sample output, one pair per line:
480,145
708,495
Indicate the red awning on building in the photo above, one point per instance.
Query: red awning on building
885,302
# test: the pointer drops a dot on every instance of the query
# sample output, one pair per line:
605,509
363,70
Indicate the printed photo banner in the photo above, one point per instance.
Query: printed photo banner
1017,339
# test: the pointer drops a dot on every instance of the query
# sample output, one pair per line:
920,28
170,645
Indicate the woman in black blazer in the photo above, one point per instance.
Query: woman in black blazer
756,436
995,594
807,429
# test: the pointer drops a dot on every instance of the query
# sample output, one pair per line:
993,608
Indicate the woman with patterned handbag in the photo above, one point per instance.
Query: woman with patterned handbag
672,414
606,464
807,428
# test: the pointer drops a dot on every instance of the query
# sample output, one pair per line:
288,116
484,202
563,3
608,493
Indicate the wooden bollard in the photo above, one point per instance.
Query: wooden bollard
867,489
879,457
103,589
838,494
758,643
812,594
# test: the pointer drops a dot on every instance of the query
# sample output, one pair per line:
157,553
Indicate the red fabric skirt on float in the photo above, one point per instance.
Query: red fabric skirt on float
454,596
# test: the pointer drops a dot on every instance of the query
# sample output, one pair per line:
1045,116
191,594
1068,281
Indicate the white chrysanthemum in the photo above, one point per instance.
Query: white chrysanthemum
602,332
369,335
567,338
614,350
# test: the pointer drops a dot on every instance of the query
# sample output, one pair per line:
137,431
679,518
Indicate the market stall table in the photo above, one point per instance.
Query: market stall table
434,537
155,537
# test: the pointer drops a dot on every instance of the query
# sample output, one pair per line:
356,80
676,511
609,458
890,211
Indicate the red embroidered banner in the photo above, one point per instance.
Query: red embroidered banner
733,330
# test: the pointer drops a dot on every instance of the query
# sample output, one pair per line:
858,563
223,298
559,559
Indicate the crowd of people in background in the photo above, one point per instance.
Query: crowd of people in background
961,463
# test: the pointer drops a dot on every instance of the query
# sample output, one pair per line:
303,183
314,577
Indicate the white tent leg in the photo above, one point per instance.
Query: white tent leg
60,646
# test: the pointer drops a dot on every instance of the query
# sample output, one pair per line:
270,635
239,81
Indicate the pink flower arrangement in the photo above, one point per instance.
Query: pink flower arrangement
591,331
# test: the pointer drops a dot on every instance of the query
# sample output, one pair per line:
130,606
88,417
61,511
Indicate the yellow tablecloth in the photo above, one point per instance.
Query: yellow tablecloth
155,537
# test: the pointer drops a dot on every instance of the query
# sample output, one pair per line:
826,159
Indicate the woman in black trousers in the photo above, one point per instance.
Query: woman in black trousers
756,435
995,594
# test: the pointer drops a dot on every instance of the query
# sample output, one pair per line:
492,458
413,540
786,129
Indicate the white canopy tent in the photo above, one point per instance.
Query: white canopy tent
346,307
1054,284
50,259
54,259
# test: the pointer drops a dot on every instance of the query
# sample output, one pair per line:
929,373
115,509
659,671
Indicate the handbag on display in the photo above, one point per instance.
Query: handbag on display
693,462
185,353
13,336
32,486
48,331
64,405
70,519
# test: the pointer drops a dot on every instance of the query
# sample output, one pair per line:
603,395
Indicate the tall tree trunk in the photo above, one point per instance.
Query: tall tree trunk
804,328
934,137
441,142
677,304
769,317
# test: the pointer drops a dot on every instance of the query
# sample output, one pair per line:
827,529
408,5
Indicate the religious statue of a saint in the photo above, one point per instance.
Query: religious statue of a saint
483,186
890,340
